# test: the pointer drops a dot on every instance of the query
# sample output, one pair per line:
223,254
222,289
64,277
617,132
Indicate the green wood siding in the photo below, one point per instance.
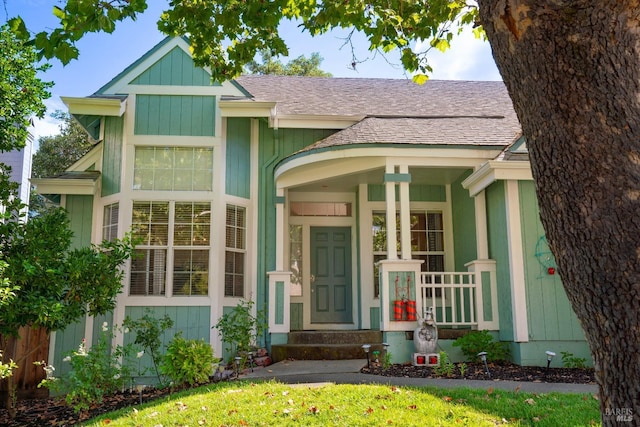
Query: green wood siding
176,68
180,115
194,323
498,251
67,340
417,193
464,224
80,210
238,170
275,145
549,312
112,155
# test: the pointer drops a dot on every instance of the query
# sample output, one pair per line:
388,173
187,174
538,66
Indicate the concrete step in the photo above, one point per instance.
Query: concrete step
335,337
326,345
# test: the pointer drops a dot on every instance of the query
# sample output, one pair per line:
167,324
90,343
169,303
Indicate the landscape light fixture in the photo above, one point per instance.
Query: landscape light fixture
550,355
366,348
483,356
237,359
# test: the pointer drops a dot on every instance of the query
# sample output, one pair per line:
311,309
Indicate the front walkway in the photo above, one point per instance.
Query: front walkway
348,372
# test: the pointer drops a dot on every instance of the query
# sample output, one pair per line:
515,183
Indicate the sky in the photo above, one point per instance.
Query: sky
103,56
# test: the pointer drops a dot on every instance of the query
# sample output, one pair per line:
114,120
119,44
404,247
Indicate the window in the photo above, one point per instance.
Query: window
320,209
295,259
427,241
173,169
235,252
110,222
171,232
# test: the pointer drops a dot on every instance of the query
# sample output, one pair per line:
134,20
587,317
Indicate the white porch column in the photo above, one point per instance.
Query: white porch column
516,263
280,229
405,212
280,279
482,241
390,197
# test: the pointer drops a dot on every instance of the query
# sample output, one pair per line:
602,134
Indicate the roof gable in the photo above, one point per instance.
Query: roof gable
176,68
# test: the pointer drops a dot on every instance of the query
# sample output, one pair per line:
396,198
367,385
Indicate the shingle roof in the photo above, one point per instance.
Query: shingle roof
380,97
431,131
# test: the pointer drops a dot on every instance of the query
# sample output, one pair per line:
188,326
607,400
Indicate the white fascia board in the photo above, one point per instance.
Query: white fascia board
495,170
93,157
95,106
65,186
435,157
246,108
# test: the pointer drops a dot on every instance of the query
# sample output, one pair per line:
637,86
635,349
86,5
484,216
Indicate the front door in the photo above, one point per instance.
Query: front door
331,295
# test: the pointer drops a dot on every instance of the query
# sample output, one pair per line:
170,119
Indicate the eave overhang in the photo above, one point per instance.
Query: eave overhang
495,170
92,106
85,185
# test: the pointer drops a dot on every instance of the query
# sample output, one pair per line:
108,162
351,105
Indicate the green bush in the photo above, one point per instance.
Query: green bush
479,341
571,361
188,361
240,328
445,366
95,372
148,330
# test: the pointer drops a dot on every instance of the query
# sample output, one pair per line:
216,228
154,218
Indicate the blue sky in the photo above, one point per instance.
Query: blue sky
103,56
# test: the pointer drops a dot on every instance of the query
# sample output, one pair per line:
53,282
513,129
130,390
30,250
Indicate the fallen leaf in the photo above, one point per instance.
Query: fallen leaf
490,390
332,407
154,414
243,423
395,389
389,422
383,407
233,411
286,392
107,421
447,398
536,419
290,401
517,389
314,410
596,397
413,407
369,410
530,401
204,408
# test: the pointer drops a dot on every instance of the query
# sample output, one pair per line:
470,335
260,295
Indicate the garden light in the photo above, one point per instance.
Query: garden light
483,355
550,355
366,348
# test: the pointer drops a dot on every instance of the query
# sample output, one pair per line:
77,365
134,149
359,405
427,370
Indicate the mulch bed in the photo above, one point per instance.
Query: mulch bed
497,371
54,411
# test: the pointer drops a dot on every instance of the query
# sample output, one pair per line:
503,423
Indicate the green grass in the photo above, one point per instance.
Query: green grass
275,404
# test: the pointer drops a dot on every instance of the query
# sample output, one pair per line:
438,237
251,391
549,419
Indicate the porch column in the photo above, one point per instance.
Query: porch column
390,197
482,241
404,179
279,280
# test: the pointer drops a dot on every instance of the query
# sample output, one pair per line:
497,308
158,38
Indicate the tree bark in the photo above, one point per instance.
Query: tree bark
572,69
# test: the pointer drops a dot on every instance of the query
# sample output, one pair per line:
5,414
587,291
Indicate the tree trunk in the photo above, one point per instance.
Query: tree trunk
572,69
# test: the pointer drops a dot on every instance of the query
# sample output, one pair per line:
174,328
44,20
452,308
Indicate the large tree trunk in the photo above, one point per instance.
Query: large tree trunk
572,69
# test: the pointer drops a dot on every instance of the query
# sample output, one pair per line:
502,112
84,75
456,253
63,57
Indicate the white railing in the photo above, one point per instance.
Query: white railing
452,297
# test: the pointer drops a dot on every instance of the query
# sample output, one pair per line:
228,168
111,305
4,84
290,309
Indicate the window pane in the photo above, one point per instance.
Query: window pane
234,274
191,272
148,269
295,259
110,222
173,168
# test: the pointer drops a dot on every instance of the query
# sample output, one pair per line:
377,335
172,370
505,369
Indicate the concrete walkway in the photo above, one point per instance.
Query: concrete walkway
348,372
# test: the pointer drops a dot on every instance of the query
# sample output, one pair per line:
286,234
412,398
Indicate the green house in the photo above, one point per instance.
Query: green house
334,203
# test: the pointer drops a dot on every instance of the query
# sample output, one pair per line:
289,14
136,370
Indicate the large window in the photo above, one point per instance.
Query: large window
171,233
235,251
427,241
173,169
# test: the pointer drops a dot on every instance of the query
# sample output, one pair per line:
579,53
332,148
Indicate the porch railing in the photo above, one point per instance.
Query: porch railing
452,297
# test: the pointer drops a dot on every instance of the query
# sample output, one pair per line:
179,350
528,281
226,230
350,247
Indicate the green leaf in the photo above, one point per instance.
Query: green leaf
59,13
420,78
19,29
65,52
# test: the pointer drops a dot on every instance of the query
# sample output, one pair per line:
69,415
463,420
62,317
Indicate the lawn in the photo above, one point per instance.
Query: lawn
276,404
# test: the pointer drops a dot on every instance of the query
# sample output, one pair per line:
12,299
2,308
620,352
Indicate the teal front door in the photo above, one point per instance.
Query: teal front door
331,294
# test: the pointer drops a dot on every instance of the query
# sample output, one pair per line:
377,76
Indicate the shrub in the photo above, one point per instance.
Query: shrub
445,366
240,328
188,361
571,361
6,369
95,372
147,330
478,341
